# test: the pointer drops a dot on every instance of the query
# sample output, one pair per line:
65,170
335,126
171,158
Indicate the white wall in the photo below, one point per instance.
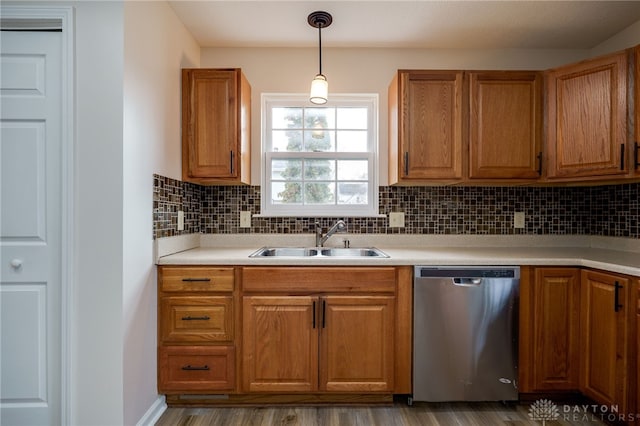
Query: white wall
273,70
626,38
97,355
157,46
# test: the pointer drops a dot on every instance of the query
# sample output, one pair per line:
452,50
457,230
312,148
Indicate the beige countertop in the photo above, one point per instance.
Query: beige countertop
610,254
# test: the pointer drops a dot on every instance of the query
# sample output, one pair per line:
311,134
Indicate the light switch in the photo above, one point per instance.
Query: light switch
245,219
518,220
396,220
180,220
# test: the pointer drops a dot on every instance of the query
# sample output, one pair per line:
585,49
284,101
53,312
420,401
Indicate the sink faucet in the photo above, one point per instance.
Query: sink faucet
339,226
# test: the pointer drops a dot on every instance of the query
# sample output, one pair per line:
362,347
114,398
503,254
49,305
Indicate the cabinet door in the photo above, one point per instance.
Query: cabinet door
587,118
505,125
215,125
426,134
553,329
357,343
280,344
604,338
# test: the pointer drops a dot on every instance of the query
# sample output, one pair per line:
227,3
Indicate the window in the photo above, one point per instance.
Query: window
319,160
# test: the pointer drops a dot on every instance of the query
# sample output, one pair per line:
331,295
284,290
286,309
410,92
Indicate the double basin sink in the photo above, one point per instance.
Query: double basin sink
318,252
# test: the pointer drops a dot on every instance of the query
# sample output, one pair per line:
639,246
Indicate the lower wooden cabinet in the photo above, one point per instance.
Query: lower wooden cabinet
302,336
190,369
549,329
357,343
280,344
318,343
261,334
580,332
196,330
605,343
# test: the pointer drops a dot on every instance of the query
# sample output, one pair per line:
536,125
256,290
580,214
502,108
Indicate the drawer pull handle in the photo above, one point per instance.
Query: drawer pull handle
202,318
196,368
194,280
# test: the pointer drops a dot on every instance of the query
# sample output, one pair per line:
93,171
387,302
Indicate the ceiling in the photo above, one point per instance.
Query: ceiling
451,24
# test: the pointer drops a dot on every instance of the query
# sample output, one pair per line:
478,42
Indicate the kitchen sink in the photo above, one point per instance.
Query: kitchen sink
318,252
285,251
353,252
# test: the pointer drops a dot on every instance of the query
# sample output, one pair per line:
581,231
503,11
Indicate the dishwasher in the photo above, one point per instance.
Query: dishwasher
465,324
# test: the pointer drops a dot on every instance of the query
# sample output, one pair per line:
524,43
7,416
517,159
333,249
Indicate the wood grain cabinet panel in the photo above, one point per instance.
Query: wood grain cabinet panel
550,352
505,125
425,126
604,316
196,319
357,344
280,344
188,369
216,117
197,327
322,330
587,119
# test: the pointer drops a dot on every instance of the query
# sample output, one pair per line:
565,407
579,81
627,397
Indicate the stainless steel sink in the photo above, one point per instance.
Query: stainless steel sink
353,252
285,251
318,252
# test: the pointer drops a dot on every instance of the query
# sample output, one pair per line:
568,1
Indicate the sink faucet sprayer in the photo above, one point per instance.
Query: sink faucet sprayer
339,226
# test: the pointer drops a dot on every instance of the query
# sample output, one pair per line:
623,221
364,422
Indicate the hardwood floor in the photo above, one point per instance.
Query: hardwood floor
420,414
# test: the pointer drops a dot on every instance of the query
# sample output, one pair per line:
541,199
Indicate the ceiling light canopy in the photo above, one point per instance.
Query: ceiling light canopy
319,86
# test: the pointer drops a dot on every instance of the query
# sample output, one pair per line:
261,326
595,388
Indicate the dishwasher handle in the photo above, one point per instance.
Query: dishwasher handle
467,282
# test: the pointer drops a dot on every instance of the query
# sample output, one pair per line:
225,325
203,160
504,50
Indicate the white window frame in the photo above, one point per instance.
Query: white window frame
271,100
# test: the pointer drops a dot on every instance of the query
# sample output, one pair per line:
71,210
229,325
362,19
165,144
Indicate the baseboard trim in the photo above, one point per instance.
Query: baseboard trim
154,412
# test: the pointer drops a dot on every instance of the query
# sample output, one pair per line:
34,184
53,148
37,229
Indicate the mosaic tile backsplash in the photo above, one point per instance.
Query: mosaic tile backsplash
610,210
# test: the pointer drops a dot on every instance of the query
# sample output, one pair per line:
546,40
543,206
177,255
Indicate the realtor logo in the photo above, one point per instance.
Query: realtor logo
543,410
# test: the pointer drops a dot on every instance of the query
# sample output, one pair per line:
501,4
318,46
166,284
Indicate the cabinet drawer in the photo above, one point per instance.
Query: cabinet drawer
318,280
185,279
196,319
196,368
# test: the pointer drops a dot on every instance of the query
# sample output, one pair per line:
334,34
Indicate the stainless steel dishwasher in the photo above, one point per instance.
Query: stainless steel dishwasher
465,327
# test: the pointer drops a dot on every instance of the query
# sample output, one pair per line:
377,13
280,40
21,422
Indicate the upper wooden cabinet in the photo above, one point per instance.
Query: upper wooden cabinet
587,119
425,126
457,127
635,156
505,125
216,120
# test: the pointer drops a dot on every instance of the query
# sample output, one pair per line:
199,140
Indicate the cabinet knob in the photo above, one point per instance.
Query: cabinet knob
16,263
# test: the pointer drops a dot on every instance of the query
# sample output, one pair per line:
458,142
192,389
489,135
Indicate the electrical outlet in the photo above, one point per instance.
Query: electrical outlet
245,219
396,220
518,220
180,220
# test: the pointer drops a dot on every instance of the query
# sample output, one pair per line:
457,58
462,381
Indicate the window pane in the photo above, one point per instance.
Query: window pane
286,169
319,169
353,170
319,193
286,140
286,193
352,118
319,141
353,192
352,141
286,118
320,118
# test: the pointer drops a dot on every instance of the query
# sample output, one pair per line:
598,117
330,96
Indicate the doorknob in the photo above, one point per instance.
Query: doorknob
16,263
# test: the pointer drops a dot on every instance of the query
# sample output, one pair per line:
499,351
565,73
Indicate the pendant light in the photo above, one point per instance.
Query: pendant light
319,85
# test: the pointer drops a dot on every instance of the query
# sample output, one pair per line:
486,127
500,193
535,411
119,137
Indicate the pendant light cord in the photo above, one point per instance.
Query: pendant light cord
320,45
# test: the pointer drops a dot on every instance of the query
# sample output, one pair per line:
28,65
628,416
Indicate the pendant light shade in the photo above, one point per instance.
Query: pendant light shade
319,86
319,90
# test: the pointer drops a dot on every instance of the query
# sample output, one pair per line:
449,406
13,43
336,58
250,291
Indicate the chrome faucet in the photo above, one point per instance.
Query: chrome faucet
339,226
